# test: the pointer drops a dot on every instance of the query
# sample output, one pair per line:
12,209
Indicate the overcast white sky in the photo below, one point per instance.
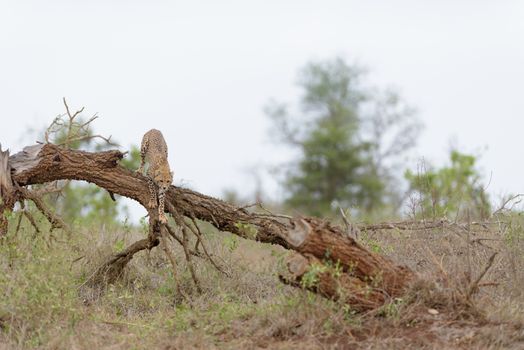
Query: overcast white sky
201,71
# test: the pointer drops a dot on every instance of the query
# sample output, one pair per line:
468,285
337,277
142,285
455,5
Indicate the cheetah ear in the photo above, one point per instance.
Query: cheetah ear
172,174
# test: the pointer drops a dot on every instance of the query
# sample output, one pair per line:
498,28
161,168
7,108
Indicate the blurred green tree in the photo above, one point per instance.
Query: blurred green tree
349,138
453,190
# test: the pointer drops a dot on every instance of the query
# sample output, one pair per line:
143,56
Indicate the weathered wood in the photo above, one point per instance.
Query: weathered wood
6,184
364,273
331,283
324,241
6,189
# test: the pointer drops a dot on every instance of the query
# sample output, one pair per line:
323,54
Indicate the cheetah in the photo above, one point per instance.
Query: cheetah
154,151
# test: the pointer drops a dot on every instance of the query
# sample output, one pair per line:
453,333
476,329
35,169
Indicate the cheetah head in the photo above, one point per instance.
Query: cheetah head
163,178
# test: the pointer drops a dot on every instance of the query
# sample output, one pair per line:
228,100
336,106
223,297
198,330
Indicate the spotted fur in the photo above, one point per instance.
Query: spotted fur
159,177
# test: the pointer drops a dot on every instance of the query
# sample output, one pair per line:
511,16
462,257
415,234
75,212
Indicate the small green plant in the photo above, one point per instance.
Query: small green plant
144,225
451,190
9,215
392,309
515,230
119,246
311,278
337,270
349,313
247,230
231,242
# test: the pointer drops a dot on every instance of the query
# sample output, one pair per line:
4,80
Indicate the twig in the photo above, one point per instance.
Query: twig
273,214
473,287
75,130
171,257
20,216
68,112
31,219
172,233
503,205
244,207
468,248
489,284
350,229
182,225
438,264
411,225
188,258
87,137
50,188
74,261
120,323
169,254
198,234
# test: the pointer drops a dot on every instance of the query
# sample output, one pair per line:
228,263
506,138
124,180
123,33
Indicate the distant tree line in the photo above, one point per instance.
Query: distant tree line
352,139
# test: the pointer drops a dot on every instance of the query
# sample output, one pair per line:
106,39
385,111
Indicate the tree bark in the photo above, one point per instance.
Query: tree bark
366,280
6,189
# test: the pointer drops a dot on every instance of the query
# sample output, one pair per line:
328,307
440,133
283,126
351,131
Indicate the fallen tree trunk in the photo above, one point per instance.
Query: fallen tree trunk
364,274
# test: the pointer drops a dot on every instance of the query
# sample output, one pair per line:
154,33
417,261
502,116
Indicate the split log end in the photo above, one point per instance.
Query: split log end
298,234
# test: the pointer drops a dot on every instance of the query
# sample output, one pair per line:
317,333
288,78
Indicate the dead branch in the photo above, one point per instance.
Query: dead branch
169,254
23,212
113,268
54,220
173,235
473,287
360,269
516,199
413,225
20,216
50,188
196,231
31,219
351,230
75,129
185,242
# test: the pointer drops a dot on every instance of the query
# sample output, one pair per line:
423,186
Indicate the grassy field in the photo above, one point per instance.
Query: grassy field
45,304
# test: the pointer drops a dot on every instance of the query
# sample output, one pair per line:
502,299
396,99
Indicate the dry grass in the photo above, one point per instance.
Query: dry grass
42,305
